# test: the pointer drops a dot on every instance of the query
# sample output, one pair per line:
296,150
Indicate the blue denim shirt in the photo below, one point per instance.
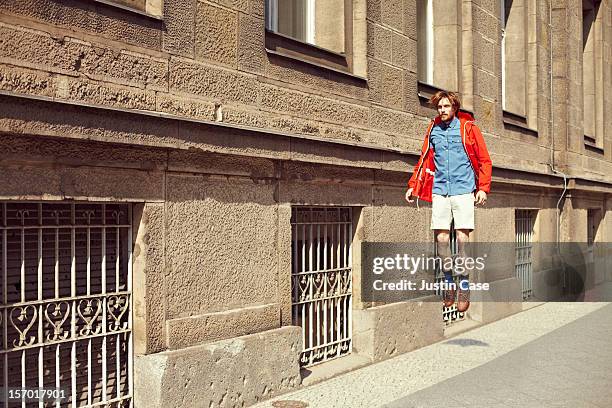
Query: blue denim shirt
454,174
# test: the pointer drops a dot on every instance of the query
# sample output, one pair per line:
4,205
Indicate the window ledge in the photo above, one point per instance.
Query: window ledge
426,91
288,47
110,3
591,145
518,122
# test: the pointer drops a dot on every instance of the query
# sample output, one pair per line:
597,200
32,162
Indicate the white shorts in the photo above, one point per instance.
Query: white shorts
445,209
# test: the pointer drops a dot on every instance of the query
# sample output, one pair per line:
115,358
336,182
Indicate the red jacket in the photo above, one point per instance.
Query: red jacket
423,176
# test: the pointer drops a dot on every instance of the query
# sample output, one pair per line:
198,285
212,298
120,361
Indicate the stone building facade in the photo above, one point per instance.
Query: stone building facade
216,133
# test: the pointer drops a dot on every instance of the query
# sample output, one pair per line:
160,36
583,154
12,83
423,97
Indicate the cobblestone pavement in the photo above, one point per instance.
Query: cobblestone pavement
553,355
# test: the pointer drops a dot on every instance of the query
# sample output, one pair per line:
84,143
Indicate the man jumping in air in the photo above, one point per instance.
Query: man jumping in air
453,173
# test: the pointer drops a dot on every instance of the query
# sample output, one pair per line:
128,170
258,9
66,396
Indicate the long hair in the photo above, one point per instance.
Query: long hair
453,97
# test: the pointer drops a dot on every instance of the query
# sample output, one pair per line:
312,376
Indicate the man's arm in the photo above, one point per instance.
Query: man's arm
412,181
484,161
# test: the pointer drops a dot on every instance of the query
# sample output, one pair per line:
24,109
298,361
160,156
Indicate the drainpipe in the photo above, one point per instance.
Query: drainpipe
552,144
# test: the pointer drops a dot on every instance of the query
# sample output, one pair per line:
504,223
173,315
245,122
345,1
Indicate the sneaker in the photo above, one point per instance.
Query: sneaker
463,300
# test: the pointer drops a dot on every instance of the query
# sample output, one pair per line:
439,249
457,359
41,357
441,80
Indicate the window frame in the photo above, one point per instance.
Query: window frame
114,4
511,119
428,45
430,79
593,142
286,46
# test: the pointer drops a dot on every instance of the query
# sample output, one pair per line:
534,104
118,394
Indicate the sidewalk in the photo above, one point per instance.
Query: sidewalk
554,355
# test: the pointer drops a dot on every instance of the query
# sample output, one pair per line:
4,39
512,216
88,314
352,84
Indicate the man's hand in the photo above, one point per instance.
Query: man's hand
481,197
409,196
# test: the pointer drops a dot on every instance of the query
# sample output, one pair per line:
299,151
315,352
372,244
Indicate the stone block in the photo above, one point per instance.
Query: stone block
380,42
404,52
39,49
148,282
220,244
236,372
251,48
486,53
394,220
257,8
284,243
338,154
208,138
491,6
395,122
82,183
376,81
26,81
212,82
71,56
105,94
488,86
374,13
187,107
312,193
392,13
393,90
238,5
411,93
95,18
53,151
311,106
503,299
486,24
193,161
383,332
216,34
410,19
22,116
189,331
179,36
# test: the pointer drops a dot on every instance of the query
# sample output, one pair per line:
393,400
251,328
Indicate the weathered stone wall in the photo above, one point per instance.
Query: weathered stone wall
206,60
147,111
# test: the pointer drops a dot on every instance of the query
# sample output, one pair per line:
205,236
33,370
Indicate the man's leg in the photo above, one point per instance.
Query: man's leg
441,218
463,301
463,213
443,249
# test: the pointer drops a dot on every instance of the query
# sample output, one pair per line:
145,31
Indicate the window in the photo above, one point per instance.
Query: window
425,43
519,72
524,222
438,38
592,73
321,281
67,312
514,56
320,32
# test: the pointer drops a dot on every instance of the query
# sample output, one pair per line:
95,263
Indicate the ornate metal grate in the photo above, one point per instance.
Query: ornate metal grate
66,301
322,281
524,223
